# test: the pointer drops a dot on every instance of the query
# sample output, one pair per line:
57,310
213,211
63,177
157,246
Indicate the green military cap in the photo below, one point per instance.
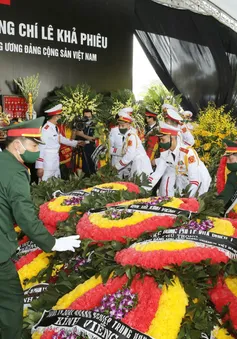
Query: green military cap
29,129
231,146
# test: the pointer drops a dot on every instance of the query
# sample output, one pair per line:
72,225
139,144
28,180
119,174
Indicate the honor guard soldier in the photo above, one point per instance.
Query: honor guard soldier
172,117
178,165
16,207
48,164
116,139
151,138
133,154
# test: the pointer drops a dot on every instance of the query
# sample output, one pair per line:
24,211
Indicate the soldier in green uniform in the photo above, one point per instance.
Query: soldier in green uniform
231,183
16,207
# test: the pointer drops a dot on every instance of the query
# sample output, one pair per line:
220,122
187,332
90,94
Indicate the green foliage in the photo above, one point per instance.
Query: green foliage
157,95
30,84
76,99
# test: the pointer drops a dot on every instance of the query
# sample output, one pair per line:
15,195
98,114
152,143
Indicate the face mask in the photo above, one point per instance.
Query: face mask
232,167
29,157
165,145
123,130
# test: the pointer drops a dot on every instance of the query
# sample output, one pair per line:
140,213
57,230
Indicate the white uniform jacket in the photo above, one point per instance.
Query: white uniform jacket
180,168
187,137
134,154
49,152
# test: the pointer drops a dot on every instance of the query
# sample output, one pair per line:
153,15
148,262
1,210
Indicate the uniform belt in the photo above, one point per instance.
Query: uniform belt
52,150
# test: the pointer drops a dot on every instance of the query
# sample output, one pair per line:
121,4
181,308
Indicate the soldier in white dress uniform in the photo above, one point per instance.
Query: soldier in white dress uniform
133,154
116,139
48,164
178,166
172,117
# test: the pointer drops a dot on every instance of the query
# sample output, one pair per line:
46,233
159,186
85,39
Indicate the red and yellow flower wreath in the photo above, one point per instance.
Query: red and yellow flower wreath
158,254
97,227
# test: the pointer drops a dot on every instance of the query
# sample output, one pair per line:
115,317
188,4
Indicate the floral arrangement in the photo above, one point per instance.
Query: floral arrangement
157,95
98,227
58,209
213,125
118,304
30,84
156,321
159,254
76,99
30,265
114,214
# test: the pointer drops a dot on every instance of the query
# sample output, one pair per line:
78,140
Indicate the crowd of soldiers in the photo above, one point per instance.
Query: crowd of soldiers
166,154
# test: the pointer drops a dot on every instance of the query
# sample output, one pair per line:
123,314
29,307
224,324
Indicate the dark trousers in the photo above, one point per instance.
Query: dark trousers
11,302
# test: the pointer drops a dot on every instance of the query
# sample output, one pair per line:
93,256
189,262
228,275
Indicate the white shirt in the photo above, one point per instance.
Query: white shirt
52,139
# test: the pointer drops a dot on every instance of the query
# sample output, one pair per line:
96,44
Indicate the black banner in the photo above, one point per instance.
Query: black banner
77,193
103,190
34,293
28,247
93,324
226,244
156,209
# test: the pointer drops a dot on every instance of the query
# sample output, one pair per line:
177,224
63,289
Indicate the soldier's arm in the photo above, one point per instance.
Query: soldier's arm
23,210
161,167
193,172
130,154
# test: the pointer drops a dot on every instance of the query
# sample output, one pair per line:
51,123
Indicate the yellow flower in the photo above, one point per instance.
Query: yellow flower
172,308
221,333
100,221
31,270
56,205
222,226
165,246
36,335
207,147
81,289
231,283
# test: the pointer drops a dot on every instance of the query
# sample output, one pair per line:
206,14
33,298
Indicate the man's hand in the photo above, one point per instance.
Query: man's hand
40,172
81,143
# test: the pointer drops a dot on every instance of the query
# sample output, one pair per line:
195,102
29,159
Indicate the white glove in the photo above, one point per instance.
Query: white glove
67,243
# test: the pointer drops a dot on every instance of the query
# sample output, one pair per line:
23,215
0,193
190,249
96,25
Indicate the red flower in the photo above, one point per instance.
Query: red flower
92,298
48,334
161,258
148,299
221,296
130,186
189,204
25,260
142,315
51,218
88,230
